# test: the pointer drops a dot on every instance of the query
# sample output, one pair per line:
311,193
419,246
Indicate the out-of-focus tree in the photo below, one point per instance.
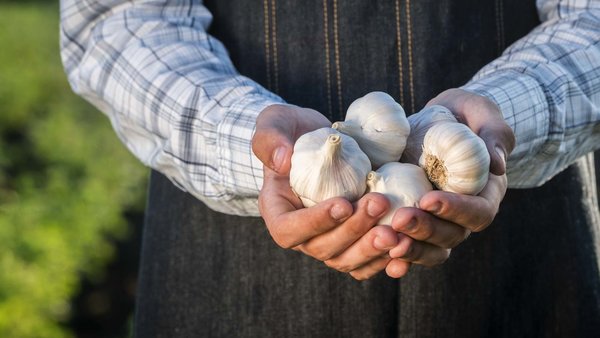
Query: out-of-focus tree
65,180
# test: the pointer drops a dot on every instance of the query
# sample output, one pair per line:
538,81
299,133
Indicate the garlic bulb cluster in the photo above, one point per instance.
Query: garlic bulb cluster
455,159
337,161
419,125
379,125
327,164
403,184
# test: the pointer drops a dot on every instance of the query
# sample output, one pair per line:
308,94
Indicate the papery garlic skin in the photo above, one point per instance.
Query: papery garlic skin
419,125
455,158
403,184
379,125
327,164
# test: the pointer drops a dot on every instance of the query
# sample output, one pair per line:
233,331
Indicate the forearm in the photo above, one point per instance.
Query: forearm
547,86
171,92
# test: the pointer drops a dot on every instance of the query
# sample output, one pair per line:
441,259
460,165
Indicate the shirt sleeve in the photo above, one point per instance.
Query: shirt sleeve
547,86
171,93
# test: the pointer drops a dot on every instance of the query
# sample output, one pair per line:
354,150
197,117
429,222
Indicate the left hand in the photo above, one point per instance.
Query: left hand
443,219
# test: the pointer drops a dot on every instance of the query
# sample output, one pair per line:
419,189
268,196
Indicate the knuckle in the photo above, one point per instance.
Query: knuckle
444,255
483,224
282,241
410,252
453,242
356,229
360,276
439,258
426,231
324,256
336,265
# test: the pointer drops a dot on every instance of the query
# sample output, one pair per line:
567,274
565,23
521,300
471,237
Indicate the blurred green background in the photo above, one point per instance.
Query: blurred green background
71,196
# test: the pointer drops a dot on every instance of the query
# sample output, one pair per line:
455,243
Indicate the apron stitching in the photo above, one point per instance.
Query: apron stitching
327,61
410,59
267,44
399,45
502,24
274,28
338,73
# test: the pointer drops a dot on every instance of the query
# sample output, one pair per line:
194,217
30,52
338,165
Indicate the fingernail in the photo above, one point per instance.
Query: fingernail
412,224
278,157
380,244
338,212
374,209
501,154
435,208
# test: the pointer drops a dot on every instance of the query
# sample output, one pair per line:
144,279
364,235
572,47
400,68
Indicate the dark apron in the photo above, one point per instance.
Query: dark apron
534,272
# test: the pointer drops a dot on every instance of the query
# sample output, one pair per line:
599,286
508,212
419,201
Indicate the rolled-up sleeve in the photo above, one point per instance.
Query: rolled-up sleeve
547,86
171,93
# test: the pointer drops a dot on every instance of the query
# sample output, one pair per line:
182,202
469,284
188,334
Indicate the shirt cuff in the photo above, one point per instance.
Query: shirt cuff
523,104
240,169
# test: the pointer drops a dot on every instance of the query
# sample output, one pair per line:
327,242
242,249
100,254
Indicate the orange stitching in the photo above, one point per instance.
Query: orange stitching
410,61
274,27
399,44
267,47
327,65
502,25
338,73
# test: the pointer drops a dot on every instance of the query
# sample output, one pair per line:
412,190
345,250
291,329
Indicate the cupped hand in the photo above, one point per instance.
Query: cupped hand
443,219
343,235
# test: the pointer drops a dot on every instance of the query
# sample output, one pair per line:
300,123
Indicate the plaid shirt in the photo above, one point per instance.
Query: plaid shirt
176,101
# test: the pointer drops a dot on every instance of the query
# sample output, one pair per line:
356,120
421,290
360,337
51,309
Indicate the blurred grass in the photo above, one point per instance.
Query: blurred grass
65,180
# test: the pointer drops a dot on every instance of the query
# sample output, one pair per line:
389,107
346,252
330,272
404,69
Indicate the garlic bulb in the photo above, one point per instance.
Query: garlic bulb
403,184
379,125
326,164
419,125
455,159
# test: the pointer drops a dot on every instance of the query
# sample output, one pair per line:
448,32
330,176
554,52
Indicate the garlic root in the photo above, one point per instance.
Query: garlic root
420,123
455,159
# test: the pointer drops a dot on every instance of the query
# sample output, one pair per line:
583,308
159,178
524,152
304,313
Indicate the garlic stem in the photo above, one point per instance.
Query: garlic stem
372,179
346,127
332,145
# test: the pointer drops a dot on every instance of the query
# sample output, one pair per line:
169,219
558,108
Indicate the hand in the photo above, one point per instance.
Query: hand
443,220
341,234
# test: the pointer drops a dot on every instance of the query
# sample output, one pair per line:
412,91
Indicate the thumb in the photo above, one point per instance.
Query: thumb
500,141
272,142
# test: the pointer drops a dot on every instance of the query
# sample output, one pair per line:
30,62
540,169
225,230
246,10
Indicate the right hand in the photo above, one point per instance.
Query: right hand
341,234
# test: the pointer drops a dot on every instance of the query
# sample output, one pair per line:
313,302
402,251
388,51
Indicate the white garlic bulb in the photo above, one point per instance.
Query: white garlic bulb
403,184
419,125
327,164
455,158
379,125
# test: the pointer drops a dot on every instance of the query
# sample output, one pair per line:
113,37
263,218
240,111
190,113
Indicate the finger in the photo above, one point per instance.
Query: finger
423,226
378,241
369,209
397,268
273,148
273,139
500,141
473,212
371,269
288,223
420,253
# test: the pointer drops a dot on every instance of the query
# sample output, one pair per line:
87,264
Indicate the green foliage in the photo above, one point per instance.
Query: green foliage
65,180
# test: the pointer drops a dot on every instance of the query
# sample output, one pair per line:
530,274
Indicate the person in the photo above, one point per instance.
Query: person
196,108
